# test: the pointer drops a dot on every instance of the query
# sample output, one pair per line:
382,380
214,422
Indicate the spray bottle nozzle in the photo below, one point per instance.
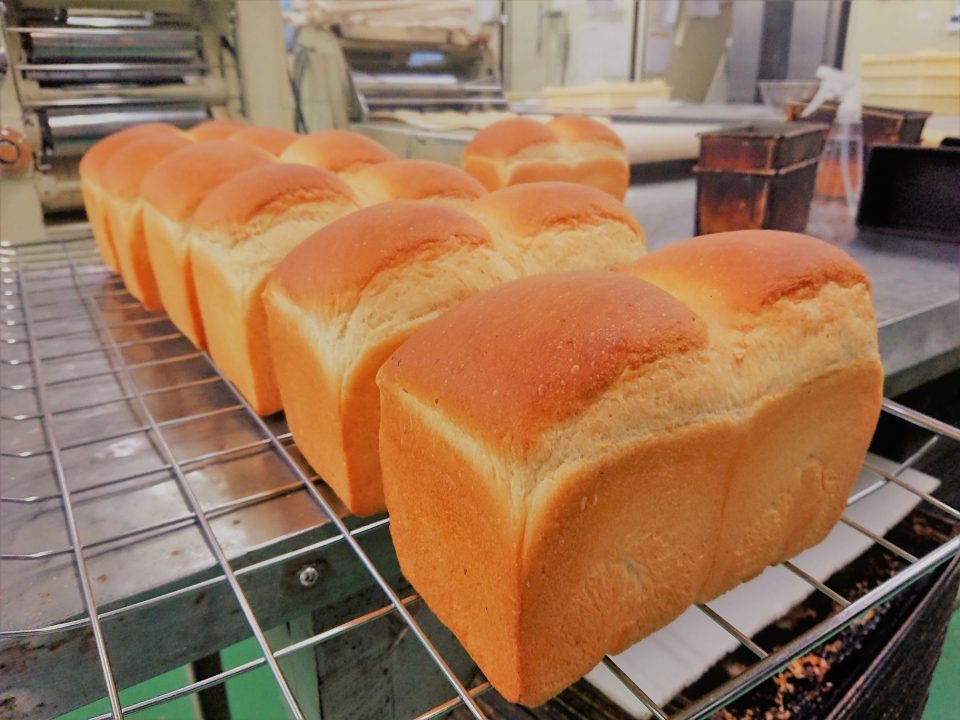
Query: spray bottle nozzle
837,85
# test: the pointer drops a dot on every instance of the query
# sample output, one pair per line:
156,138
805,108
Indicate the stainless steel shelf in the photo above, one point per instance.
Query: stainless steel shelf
136,479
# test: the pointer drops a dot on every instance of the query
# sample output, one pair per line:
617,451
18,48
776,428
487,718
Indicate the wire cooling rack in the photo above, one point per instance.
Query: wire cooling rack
100,394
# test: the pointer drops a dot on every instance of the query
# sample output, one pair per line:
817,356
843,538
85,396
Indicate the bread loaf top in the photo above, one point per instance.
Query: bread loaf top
549,371
256,198
531,208
336,150
516,359
328,271
273,140
122,174
179,183
216,129
576,128
97,156
414,180
508,137
747,270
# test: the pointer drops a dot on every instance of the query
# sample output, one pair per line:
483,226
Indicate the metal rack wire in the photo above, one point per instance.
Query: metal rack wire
45,284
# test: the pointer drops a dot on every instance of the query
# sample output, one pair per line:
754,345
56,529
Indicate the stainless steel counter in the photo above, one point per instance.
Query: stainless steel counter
916,284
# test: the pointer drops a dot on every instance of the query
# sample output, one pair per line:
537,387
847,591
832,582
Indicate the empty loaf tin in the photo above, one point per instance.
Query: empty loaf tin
757,176
880,125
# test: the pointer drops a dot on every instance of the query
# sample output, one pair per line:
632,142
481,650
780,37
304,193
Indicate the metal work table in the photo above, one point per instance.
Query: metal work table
192,524
916,284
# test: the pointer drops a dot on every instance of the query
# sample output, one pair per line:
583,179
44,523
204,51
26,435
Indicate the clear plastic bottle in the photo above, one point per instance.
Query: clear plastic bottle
836,195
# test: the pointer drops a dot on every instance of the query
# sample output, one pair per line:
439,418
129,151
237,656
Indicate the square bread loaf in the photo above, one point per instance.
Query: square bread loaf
171,193
567,148
573,459
332,326
89,169
240,232
120,183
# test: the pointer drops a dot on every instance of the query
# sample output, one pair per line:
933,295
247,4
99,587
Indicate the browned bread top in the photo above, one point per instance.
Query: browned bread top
271,189
343,257
508,137
336,150
98,155
415,180
531,208
747,270
522,356
273,140
216,129
576,128
122,174
179,183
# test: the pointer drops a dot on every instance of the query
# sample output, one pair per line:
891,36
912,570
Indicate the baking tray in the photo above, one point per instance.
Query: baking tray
142,499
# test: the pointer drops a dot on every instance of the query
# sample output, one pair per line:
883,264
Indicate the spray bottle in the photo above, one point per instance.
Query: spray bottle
840,174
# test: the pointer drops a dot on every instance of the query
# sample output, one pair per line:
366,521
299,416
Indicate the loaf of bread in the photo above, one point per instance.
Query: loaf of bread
415,180
339,151
549,226
571,460
341,302
220,129
123,209
568,148
89,169
273,140
240,232
171,192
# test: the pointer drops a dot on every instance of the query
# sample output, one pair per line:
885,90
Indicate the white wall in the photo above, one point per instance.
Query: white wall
897,27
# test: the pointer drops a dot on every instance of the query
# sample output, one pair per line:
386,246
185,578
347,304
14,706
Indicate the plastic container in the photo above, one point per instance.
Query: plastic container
928,80
778,94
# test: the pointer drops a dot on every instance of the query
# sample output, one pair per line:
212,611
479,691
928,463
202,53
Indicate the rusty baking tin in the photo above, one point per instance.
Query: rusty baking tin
880,125
757,176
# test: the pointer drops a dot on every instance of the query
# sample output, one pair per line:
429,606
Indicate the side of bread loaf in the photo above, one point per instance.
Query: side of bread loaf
590,442
120,181
171,192
414,180
89,170
341,302
241,231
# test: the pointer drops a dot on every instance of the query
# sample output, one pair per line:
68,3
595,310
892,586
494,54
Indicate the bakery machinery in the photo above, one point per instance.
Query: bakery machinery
74,72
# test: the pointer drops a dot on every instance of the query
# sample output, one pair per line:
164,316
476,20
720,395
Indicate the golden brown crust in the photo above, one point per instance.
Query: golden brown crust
747,270
531,208
367,242
216,129
508,137
528,354
120,177
98,155
337,151
273,140
178,184
268,189
414,180
577,128
569,148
